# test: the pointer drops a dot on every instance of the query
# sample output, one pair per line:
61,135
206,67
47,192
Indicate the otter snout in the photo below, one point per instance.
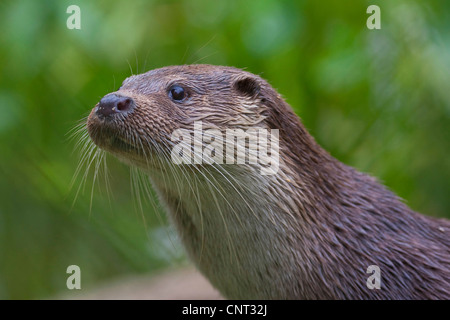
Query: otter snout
113,104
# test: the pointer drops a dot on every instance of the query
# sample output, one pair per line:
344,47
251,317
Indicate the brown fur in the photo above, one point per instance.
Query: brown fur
323,223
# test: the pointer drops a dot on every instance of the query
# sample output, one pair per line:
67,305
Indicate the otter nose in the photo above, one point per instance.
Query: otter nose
112,104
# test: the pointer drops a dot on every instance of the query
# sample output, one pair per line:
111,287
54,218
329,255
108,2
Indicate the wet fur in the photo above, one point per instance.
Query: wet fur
308,232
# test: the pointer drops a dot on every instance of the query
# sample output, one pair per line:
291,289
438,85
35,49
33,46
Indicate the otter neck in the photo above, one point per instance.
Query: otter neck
237,225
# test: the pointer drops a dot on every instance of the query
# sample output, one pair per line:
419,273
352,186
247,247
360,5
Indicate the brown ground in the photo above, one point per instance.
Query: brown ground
186,283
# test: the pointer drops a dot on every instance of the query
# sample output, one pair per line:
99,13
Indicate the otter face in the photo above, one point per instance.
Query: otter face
136,122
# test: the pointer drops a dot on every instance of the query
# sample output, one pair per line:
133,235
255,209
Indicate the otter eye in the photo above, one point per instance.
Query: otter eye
177,93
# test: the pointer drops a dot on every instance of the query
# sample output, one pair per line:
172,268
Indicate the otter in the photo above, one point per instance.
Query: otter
312,230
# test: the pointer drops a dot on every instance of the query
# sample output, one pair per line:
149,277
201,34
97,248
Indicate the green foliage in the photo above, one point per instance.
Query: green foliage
378,100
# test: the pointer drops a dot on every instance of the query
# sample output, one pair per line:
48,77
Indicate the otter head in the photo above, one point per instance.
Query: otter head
136,122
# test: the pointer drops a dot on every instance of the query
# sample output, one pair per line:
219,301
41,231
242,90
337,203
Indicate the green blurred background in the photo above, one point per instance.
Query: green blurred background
378,100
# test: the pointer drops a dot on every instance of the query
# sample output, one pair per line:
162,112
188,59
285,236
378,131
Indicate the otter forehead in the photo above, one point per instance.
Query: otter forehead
200,77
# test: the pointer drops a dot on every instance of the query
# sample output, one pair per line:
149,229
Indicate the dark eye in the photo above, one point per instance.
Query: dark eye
177,93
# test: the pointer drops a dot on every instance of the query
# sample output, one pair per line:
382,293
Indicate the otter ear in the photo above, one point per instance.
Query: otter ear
247,86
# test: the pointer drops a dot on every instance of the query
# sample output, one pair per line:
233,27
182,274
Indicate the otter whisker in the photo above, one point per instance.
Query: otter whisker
98,156
90,147
88,144
214,185
195,195
152,144
217,184
109,193
135,189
